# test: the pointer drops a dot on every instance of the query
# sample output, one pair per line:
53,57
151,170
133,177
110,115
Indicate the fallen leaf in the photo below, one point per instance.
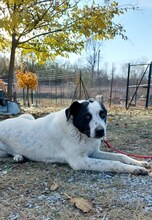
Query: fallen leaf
110,119
82,204
54,186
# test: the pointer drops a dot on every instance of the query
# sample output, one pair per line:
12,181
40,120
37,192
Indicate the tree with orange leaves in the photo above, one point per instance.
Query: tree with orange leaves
27,80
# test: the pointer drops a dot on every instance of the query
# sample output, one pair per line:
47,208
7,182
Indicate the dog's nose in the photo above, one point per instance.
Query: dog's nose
99,132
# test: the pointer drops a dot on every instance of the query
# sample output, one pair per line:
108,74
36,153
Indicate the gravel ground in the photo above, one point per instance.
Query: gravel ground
26,189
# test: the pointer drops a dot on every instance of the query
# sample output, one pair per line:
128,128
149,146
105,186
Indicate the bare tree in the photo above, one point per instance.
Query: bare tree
136,70
111,84
4,62
92,50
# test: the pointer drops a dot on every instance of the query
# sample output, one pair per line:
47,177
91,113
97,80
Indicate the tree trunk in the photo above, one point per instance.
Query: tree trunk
92,75
24,98
28,97
11,66
32,97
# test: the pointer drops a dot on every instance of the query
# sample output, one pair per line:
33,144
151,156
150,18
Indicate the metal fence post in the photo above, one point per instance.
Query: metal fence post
149,84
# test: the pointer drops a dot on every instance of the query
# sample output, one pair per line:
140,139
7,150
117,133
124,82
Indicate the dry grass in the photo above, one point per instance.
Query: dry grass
25,189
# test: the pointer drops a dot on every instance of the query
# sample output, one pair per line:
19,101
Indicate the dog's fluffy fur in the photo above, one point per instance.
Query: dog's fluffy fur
70,136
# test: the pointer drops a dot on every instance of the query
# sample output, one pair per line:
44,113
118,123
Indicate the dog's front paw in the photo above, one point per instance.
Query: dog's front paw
140,171
145,164
18,158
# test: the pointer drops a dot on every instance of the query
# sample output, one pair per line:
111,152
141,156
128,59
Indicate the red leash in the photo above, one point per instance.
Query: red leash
121,152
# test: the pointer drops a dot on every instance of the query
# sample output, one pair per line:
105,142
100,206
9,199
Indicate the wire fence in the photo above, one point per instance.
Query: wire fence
57,88
61,90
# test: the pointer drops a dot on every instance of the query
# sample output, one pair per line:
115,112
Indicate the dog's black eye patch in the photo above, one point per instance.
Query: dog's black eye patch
87,116
102,114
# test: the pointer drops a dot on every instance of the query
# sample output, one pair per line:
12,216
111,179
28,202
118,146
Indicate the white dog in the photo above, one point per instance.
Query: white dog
70,136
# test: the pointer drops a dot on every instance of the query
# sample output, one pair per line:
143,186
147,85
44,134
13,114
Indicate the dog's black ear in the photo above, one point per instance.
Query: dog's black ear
103,107
72,110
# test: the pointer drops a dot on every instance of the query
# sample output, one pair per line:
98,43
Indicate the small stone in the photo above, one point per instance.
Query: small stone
14,216
41,197
30,205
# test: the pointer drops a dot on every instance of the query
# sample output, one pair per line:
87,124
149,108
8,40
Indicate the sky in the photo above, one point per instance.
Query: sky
138,26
